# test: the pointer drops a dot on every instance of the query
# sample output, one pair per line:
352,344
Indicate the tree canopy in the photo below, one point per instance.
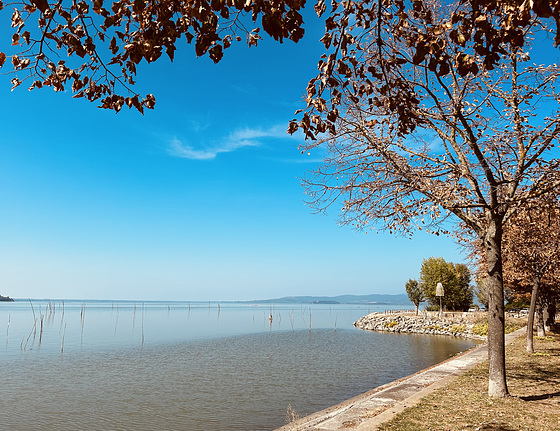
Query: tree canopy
415,293
425,144
531,256
531,245
104,42
456,280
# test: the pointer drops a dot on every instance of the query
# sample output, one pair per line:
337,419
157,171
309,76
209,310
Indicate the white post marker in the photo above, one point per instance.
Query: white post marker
440,292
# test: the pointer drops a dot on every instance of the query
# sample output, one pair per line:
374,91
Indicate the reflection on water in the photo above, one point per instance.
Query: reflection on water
193,366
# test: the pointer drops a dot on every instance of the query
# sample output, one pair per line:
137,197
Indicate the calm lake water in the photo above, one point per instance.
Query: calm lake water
101,365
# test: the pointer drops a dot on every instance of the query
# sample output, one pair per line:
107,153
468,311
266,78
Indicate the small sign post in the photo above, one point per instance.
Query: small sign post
440,292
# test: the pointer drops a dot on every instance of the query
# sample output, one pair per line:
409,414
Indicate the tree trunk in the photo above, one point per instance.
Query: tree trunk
497,386
417,305
552,311
540,319
546,316
531,317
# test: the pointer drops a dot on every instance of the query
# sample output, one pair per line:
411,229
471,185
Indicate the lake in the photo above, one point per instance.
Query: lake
124,365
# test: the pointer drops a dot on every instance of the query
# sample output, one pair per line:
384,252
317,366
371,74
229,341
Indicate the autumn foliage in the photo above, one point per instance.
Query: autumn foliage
531,259
532,246
104,42
419,142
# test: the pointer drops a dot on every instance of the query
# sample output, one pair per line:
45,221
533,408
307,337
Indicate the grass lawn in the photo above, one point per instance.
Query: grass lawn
534,404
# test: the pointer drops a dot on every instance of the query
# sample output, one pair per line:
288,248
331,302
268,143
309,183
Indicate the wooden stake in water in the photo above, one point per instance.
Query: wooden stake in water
32,309
116,321
8,329
83,319
33,331
41,331
142,324
292,319
61,319
63,336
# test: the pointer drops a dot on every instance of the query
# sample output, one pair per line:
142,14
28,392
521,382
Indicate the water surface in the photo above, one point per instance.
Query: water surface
193,366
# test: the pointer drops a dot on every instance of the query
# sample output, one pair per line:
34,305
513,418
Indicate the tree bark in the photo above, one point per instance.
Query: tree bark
540,319
546,315
531,317
552,311
497,386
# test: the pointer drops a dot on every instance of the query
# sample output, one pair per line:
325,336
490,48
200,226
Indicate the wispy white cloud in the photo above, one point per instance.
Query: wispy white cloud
178,148
238,139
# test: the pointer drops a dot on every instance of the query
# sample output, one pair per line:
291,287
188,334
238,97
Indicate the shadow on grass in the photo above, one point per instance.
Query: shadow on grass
497,427
540,397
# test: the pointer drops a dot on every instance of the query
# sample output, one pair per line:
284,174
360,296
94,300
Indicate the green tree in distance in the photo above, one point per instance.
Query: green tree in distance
415,293
455,279
481,292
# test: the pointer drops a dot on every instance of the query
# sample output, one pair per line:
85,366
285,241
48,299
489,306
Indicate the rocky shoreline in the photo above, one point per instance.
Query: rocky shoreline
457,324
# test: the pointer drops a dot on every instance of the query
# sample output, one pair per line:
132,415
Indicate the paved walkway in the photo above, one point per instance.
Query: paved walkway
366,411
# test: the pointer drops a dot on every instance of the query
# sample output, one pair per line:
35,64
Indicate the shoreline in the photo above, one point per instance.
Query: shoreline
365,412
456,324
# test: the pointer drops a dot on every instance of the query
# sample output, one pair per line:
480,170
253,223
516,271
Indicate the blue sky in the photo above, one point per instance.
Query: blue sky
199,199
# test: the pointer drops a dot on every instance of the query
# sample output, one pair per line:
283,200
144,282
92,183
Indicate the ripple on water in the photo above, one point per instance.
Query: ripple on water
235,383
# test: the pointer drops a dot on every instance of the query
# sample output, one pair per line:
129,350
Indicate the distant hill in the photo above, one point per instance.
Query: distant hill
374,298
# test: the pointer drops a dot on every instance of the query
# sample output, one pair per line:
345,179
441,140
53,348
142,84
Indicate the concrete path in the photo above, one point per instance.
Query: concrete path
366,411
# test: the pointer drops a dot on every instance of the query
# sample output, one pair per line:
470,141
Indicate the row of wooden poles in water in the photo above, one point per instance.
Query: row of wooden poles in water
43,317
46,317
